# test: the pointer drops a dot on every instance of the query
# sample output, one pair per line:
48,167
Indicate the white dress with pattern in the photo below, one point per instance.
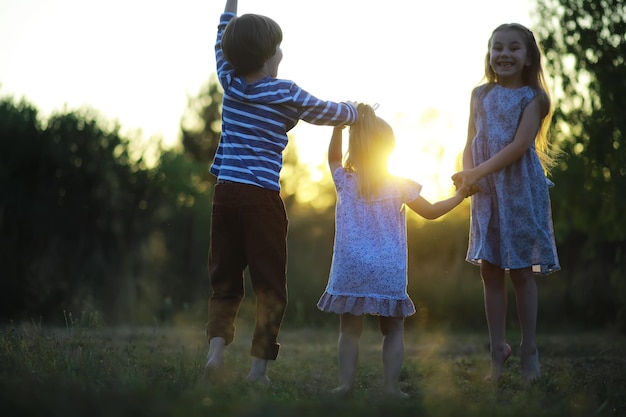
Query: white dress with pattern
369,268
511,219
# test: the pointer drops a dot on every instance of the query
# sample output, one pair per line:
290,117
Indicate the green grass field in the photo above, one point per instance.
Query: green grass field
90,371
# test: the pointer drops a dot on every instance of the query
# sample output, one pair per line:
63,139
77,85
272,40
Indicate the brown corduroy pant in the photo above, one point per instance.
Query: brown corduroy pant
248,229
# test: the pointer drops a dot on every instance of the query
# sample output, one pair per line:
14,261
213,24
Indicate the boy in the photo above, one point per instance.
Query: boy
249,221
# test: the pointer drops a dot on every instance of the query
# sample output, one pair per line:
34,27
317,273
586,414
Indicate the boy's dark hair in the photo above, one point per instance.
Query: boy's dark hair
249,41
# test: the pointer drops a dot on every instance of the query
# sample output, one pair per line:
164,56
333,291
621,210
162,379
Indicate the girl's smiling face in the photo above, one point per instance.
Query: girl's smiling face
508,56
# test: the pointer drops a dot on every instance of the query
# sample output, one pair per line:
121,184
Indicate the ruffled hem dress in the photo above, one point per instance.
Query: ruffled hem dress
511,217
369,267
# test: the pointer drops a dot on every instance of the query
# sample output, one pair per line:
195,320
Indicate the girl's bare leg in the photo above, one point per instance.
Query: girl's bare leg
526,298
393,354
350,329
494,287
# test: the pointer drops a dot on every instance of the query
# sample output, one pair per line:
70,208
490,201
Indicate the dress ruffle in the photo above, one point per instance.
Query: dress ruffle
357,306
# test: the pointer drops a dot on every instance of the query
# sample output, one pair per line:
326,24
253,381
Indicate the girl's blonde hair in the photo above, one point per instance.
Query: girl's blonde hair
370,145
533,76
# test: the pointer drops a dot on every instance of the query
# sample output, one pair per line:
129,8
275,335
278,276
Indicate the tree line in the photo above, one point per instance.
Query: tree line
86,224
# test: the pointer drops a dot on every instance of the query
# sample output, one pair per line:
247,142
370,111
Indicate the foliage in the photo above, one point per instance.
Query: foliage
200,125
585,49
84,369
82,224
86,224
86,227
68,188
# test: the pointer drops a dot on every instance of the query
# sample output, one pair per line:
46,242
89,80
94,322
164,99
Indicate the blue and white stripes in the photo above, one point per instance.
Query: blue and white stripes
256,118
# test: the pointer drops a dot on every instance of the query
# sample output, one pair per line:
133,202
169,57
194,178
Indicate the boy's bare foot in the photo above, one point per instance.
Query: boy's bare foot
499,357
261,380
258,372
531,370
215,358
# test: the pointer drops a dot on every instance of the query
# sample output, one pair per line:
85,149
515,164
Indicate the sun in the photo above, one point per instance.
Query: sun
428,151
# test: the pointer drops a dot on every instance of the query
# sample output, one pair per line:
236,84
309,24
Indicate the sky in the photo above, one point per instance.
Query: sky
137,62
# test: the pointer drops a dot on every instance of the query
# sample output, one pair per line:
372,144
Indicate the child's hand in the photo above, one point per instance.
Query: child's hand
458,179
468,191
464,177
473,189
462,180
463,191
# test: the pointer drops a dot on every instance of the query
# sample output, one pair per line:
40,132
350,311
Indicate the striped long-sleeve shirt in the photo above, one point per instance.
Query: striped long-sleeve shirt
256,118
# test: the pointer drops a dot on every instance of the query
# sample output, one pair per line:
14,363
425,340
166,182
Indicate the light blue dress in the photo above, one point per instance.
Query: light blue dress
511,218
369,268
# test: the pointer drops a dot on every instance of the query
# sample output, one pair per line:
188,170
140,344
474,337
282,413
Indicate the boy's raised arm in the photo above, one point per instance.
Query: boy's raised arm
231,6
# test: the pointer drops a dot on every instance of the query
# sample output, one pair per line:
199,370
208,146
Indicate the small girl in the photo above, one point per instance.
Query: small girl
507,157
369,266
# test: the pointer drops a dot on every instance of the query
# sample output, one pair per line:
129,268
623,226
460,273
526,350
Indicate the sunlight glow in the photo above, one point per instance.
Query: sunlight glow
428,151
141,74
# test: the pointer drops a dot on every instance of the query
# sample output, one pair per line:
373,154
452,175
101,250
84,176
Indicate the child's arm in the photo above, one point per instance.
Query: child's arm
320,112
524,138
468,160
222,65
432,211
335,151
231,6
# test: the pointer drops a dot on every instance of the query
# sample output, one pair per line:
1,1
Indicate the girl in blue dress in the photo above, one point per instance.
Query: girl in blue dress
368,274
506,159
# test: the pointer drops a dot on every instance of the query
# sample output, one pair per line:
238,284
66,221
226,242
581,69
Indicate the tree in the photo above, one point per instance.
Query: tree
585,48
85,226
200,124
70,195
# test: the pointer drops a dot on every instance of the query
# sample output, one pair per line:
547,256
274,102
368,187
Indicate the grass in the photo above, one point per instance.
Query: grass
84,370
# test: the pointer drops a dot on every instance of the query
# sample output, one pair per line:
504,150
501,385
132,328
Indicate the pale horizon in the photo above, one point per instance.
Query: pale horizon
138,62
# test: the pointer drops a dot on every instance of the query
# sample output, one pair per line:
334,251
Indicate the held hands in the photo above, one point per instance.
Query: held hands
463,191
465,182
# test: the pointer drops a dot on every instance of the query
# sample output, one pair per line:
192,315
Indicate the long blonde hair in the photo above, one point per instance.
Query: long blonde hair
370,145
533,76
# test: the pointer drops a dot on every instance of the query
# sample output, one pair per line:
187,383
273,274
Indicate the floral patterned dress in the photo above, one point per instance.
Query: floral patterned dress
369,268
511,220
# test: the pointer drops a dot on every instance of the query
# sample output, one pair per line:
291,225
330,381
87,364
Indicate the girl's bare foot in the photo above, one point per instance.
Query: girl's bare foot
341,391
499,357
396,392
531,370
